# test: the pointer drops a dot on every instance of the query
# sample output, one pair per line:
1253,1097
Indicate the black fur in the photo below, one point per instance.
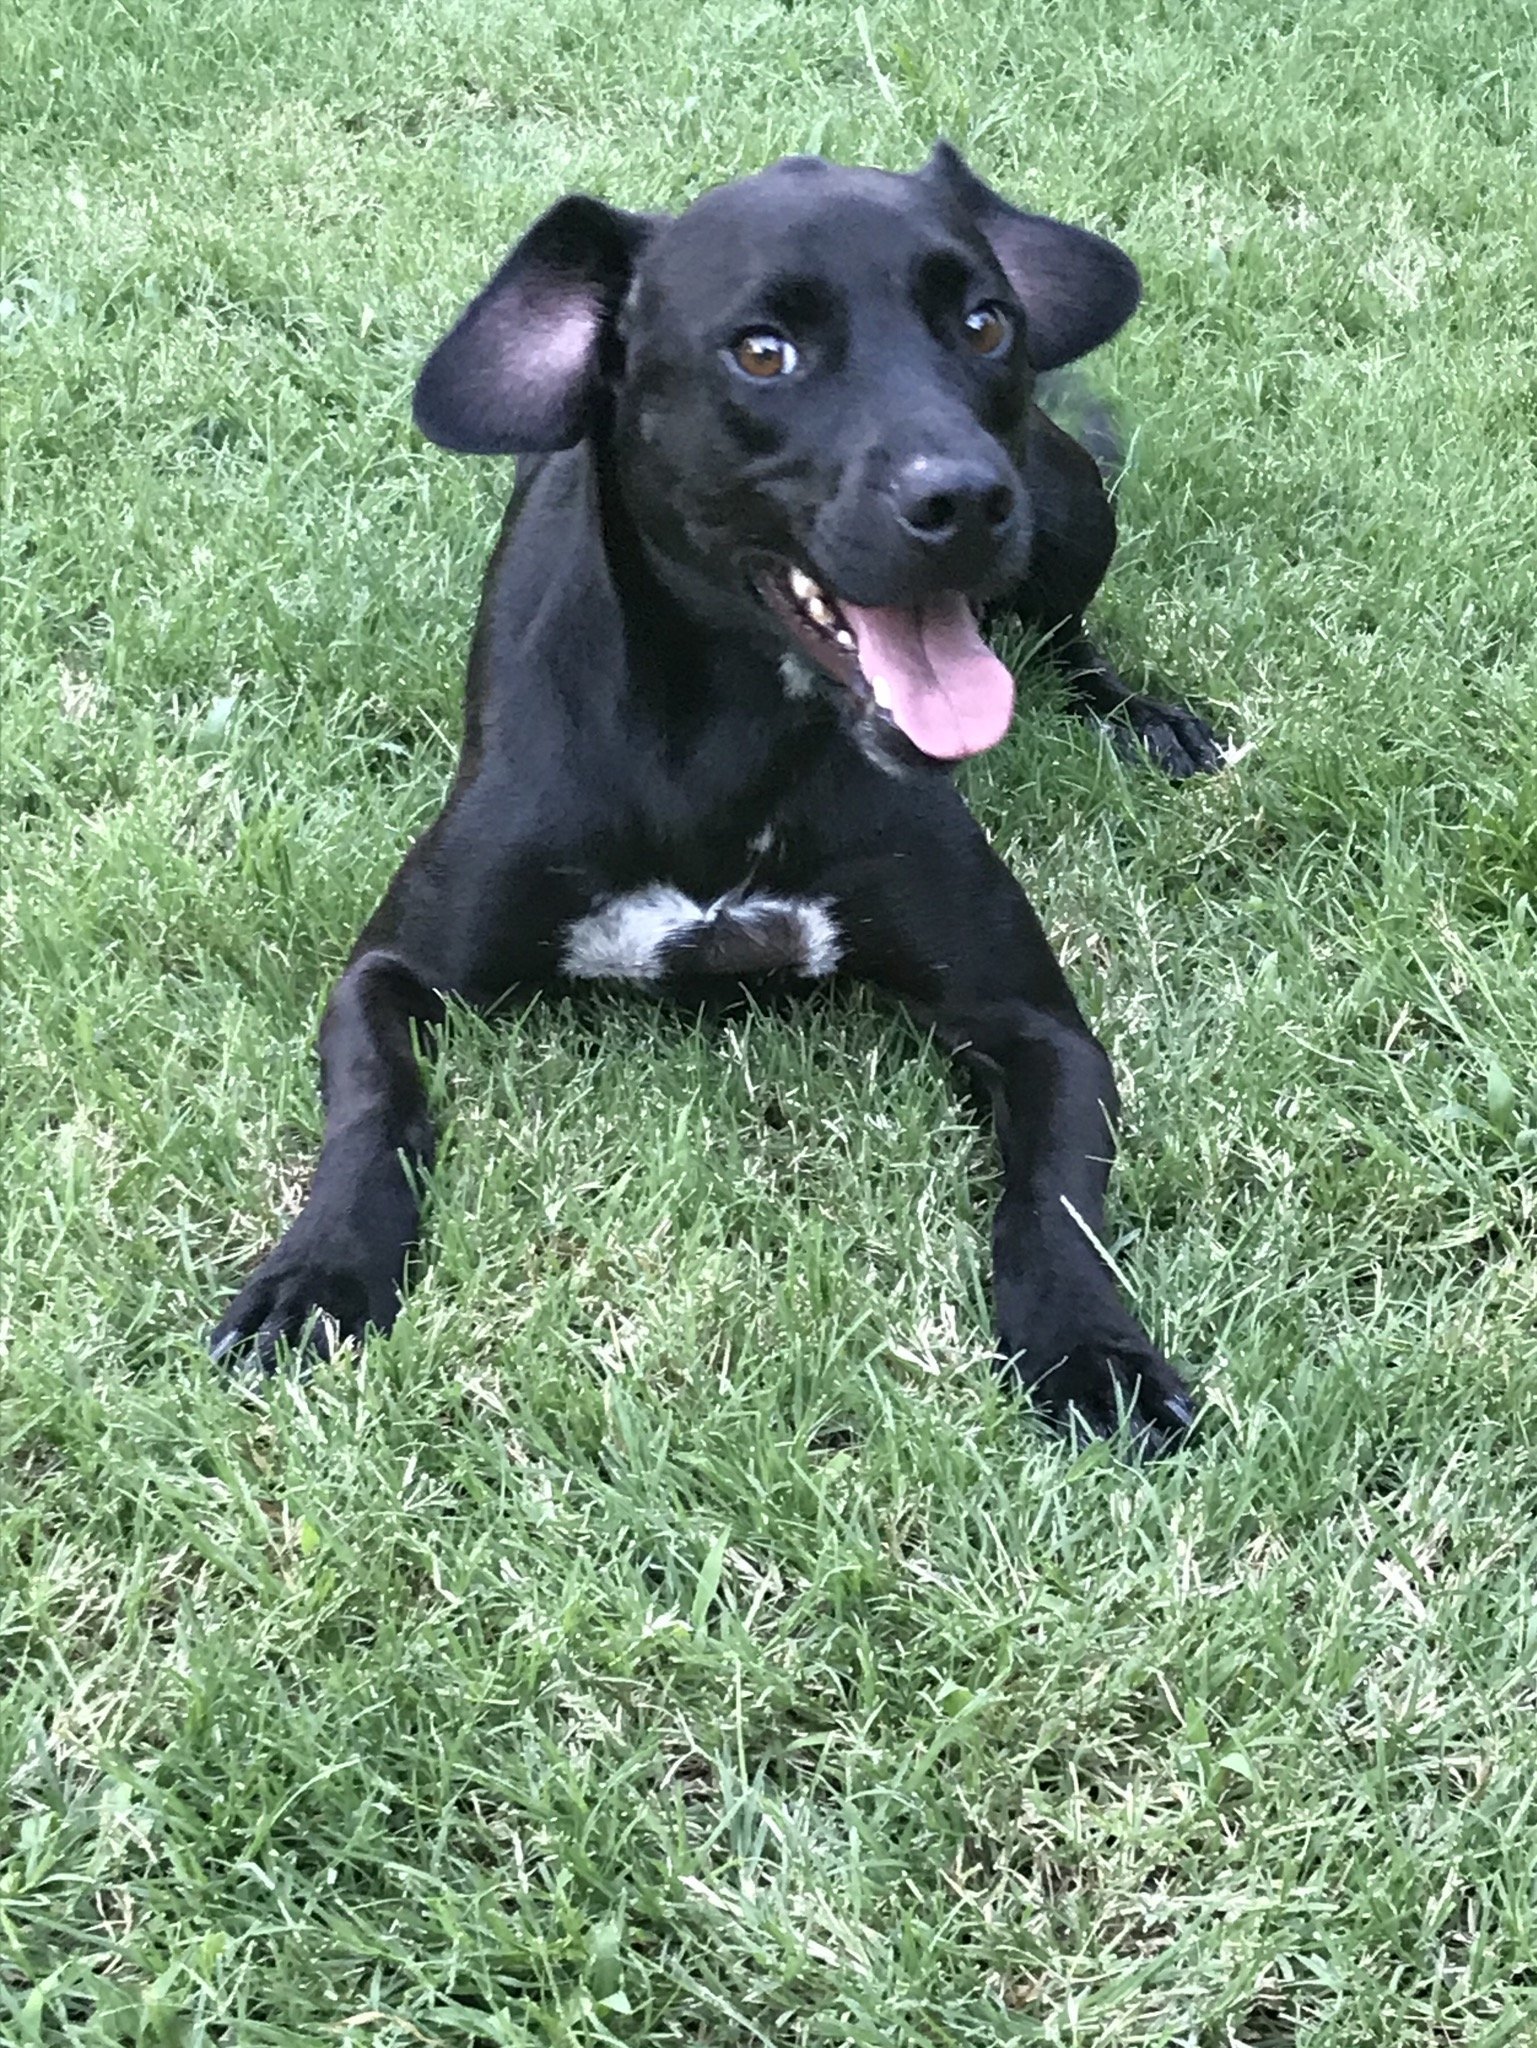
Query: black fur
632,723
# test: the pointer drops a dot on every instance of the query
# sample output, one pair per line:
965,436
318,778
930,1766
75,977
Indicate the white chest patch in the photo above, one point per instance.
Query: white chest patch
649,933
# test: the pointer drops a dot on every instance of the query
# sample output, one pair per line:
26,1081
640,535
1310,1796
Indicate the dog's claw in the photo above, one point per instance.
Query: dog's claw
1181,1409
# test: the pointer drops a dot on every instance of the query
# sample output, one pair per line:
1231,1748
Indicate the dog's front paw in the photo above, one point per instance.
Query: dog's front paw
308,1295
1095,1374
1179,742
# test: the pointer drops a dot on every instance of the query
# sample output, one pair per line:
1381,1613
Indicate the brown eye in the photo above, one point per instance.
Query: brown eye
989,330
765,355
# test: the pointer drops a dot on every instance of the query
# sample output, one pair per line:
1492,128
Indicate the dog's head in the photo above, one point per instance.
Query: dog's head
816,386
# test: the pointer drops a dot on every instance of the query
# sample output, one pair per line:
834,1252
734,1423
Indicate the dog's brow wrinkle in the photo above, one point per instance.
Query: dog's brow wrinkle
648,933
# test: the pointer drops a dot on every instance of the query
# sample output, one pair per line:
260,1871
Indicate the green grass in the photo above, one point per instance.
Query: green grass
670,1635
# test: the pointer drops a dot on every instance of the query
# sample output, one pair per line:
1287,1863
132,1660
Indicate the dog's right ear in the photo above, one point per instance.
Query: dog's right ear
1077,289
518,372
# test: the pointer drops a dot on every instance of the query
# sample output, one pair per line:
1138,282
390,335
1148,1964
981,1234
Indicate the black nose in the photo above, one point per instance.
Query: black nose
941,498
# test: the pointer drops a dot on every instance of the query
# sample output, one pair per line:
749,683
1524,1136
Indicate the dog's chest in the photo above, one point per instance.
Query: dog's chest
657,933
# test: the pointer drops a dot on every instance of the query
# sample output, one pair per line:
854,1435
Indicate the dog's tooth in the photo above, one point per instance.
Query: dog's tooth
819,609
802,587
844,638
880,690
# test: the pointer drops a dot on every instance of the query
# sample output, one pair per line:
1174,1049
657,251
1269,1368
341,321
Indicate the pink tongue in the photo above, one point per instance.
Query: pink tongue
930,668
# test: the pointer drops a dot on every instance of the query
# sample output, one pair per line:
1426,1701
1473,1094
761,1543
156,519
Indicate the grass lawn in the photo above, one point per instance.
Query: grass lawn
670,1635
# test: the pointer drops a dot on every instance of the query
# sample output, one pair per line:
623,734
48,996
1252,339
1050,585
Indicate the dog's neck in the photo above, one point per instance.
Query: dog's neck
681,725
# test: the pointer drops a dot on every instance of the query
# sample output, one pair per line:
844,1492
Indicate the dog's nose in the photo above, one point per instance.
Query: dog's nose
941,498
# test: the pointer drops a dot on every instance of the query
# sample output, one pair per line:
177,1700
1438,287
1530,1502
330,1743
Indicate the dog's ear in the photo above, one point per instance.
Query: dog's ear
518,372
1077,289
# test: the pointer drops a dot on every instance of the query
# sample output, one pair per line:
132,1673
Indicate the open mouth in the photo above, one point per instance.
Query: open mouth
924,667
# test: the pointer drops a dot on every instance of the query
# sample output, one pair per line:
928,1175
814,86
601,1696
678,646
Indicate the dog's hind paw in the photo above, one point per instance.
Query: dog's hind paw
1176,740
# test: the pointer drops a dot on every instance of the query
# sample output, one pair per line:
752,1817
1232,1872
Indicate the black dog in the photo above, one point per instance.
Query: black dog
727,648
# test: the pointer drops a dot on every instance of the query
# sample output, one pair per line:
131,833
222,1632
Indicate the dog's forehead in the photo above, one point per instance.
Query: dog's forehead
800,214
801,187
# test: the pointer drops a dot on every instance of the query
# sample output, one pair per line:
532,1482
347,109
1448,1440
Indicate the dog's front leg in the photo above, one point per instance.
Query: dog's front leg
1064,1332
452,922
341,1264
937,918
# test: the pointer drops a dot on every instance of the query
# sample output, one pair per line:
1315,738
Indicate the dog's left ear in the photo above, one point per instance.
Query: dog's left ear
1077,289
520,371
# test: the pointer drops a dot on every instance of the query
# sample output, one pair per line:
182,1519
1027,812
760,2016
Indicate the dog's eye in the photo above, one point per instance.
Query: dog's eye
765,355
988,329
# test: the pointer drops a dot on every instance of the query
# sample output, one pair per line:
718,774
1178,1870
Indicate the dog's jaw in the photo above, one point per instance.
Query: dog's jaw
809,618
